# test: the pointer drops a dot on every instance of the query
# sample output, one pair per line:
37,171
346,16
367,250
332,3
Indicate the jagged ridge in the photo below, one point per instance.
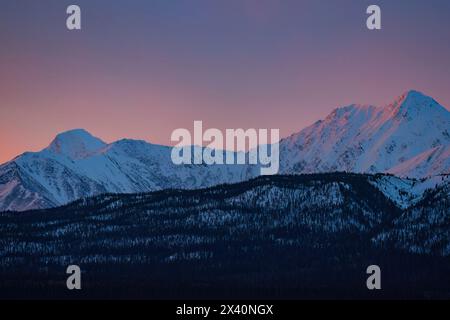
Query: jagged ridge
409,138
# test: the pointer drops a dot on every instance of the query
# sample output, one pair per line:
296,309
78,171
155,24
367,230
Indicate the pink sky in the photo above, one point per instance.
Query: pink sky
152,70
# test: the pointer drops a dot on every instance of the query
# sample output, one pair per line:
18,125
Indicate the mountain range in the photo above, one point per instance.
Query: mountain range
367,185
408,139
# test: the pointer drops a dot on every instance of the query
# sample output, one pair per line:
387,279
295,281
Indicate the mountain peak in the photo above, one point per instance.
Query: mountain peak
75,143
414,93
415,96
409,96
412,103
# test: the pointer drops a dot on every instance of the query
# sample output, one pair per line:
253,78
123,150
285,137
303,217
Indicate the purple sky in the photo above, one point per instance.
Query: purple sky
142,68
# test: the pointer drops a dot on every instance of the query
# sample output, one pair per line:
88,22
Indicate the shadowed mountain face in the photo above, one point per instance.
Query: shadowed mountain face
408,138
423,228
279,236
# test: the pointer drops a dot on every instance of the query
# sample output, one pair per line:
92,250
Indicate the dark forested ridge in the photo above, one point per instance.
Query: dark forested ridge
306,236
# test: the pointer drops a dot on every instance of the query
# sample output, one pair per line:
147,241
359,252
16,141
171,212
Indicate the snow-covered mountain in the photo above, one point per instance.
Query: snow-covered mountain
408,138
77,165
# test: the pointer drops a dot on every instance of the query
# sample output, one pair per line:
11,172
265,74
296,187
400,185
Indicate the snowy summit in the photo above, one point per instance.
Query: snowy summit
409,138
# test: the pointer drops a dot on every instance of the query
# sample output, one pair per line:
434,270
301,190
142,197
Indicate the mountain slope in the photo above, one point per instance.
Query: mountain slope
408,138
423,228
306,209
292,235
